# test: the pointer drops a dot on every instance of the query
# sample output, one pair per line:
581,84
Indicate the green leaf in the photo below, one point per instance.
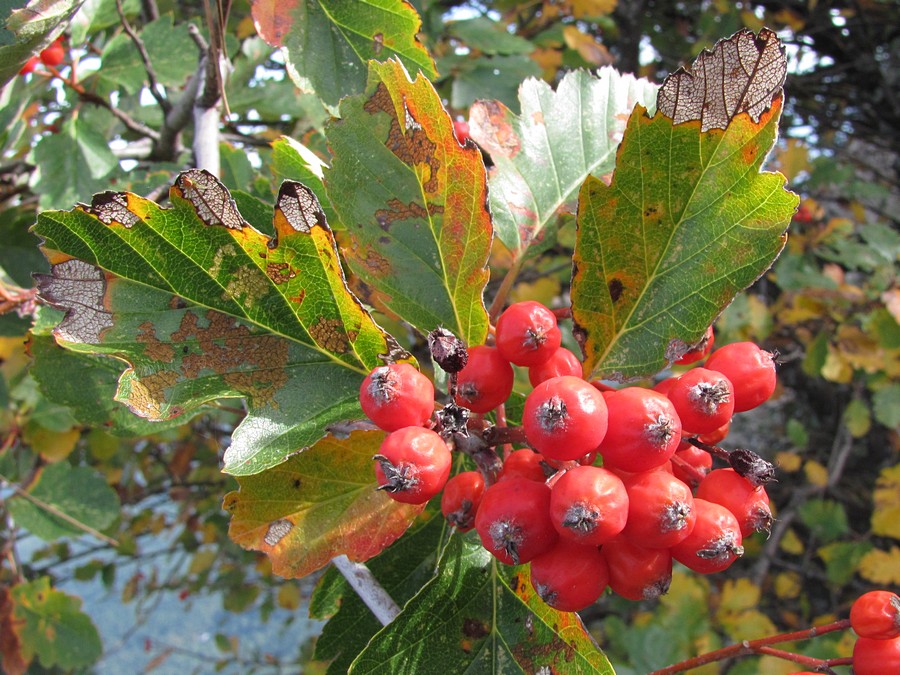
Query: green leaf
292,160
31,27
77,491
327,43
75,162
51,626
495,77
414,202
842,559
402,570
317,505
886,405
202,306
687,222
489,37
542,156
478,616
825,518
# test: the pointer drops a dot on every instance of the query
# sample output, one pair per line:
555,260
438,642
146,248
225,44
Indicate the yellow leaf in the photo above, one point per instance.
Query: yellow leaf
582,8
202,561
886,498
289,596
791,18
788,461
816,473
739,594
543,290
836,368
881,567
794,158
54,446
788,585
587,47
791,543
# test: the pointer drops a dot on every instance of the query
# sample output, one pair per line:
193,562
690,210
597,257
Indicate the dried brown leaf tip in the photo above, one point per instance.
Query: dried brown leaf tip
742,73
210,199
79,289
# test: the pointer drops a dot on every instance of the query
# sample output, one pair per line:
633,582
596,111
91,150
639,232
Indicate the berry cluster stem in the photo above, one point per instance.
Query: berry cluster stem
763,646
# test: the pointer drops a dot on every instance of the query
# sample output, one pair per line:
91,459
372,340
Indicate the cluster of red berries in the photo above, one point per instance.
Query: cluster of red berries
581,526
875,618
52,56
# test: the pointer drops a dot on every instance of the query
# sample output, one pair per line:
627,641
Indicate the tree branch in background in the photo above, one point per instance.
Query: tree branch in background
156,90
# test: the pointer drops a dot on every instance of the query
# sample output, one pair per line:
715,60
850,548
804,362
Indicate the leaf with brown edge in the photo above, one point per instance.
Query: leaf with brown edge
687,222
740,74
202,306
12,661
414,202
317,505
327,43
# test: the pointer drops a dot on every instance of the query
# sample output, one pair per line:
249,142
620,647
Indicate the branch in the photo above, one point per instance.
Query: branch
156,90
369,590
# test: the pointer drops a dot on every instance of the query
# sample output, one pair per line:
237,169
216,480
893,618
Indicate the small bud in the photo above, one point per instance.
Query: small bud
447,350
751,466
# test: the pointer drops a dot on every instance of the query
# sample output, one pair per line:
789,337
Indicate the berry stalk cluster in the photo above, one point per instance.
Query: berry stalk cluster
607,487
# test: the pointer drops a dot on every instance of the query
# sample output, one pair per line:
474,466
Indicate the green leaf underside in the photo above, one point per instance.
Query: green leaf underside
327,43
479,616
317,505
687,222
28,30
202,306
51,626
402,570
418,224
542,156
76,491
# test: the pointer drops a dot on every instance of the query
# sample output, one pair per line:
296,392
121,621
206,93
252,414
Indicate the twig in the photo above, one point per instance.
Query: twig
505,287
369,590
49,508
156,90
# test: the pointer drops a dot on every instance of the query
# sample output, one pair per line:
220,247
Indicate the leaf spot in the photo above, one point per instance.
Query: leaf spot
330,334
615,289
112,208
210,199
277,531
280,273
79,289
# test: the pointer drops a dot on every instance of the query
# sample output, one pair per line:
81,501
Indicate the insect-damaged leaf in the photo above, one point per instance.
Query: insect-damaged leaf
414,202
317,505
542,156
202,306
687,222
326,43
478,616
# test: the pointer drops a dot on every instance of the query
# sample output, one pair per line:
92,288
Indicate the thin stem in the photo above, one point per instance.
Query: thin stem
368,589
505,287
153,81
49,508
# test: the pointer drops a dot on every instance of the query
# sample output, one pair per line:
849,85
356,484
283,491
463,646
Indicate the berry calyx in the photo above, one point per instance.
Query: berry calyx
564,418
876,615
748,503
636,572
588,505
485,382
396,396
703,399
527,333
513,520
569,576
715,541
412,465
646,432
660,510
447,350
461,499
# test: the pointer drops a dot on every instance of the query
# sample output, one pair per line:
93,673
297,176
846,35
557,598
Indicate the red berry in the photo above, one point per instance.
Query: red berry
717,436
527,333
513,520
30,65
486,381
53,55
876,615
397,396
412,465
461,498
635,572
703,399
750,369
690,464
876,657
660,510
461,129
565,418
561,362
588,505
700,350
646,431
526,463
569,576
715,541
748,503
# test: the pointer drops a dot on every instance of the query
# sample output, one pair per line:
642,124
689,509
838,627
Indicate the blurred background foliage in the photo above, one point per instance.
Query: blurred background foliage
148,550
